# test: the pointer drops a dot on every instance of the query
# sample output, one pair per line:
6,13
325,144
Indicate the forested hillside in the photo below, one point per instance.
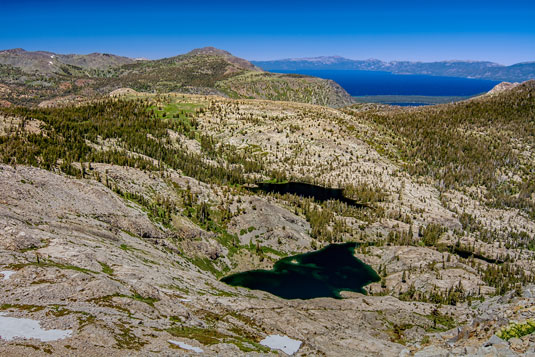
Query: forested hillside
32,78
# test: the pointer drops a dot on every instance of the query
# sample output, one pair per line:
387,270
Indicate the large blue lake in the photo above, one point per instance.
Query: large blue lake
364,83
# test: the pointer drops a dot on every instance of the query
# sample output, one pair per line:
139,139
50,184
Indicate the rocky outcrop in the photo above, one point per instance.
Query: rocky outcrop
502,87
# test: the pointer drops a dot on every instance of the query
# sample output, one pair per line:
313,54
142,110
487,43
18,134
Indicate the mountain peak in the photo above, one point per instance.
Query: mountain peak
502,87
209,51
227,56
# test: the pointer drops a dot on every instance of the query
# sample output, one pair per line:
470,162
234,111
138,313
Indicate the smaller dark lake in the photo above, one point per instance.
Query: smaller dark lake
467,254
318,193
322,273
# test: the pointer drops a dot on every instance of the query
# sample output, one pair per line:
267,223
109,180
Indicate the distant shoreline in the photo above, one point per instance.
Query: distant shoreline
409,100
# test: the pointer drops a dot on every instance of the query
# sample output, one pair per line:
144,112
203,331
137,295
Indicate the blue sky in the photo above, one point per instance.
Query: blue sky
499,31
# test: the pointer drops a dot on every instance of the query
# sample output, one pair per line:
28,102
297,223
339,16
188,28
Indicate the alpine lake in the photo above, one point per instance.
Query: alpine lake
318,193
322,273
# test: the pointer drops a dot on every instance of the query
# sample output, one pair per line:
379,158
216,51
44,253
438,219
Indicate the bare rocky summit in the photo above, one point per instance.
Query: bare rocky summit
504,86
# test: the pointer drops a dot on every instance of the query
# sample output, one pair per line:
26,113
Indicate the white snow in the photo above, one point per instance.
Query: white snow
283,343
51,56
7,274
50,62
13,327
186,346
185,300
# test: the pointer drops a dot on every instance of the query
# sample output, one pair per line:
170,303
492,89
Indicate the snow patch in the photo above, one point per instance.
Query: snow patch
283,343
7,274
186,346
184,300
13,327
50,62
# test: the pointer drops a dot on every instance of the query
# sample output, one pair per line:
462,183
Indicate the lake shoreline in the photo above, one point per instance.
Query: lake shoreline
373,83
409,100
321,273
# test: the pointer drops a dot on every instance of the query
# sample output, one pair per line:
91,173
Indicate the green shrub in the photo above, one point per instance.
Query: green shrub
517,330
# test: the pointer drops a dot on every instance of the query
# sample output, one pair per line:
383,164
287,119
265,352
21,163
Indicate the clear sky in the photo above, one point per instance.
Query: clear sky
499,31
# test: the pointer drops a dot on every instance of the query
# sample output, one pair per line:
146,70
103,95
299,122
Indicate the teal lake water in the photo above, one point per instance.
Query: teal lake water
322,273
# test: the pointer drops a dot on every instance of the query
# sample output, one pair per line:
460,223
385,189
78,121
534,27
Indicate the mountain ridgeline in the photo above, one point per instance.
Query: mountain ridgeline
466,69
33,77
45,62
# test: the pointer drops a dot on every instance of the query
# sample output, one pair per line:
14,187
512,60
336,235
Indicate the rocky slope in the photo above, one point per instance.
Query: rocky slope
87,261
81,263
117,218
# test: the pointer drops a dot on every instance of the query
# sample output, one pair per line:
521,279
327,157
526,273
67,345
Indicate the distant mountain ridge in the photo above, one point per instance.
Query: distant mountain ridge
467,69
206,70
53,63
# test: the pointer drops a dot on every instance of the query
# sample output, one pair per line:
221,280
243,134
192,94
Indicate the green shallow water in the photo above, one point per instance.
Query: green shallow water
322,273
